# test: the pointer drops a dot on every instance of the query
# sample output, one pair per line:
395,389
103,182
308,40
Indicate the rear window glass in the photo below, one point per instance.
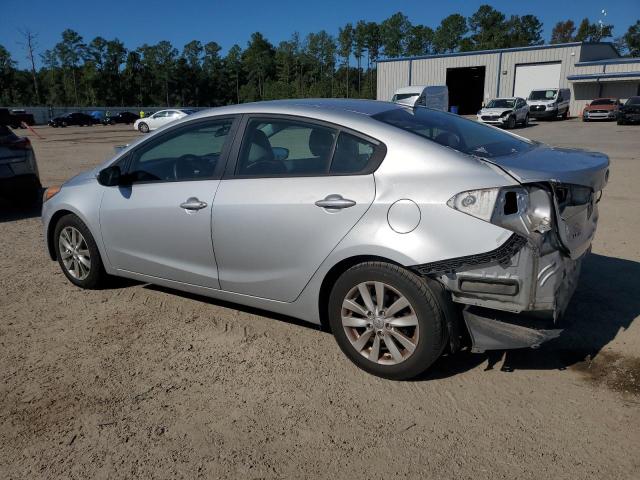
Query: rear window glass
455,132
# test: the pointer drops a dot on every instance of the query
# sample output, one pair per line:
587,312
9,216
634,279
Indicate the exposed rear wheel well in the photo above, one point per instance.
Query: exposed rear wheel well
331,277
51,229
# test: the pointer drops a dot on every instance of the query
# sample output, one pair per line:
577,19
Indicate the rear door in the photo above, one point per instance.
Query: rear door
296,189
160,224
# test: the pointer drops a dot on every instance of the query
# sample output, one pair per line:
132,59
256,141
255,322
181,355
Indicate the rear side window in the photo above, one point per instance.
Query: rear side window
284,147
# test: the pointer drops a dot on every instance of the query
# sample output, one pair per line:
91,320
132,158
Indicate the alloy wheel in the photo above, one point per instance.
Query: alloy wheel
74,253
380,323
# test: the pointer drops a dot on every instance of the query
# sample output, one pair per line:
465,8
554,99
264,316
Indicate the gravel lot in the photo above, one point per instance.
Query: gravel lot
142,382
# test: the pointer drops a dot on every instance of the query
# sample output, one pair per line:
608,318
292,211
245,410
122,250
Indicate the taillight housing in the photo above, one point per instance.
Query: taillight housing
522,209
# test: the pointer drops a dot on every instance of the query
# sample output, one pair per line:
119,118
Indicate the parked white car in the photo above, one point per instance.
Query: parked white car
505,112
549,103
160,119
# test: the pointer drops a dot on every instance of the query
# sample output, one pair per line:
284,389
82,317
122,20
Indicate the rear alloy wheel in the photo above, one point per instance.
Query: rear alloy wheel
143,127
78,253
386,320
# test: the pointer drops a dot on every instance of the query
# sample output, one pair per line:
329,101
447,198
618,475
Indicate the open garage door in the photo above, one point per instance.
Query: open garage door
466,88
535,76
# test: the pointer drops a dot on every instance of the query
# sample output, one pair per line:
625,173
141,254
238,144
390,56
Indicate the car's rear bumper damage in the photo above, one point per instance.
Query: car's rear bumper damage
513,294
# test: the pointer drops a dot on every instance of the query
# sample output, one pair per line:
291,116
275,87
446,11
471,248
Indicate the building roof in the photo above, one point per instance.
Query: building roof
502,50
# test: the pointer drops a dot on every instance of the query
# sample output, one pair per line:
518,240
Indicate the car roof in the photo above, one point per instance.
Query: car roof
312,107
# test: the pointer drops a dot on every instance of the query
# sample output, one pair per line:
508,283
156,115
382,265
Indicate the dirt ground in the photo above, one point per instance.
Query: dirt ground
143,382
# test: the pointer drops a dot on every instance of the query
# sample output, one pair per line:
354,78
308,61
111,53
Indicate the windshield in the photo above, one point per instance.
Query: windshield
603,101
456,132
633,101
501,103
543,94
403,96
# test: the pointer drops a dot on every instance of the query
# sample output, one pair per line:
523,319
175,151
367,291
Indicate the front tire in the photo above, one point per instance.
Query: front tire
143,127
387,320
78,254
511,122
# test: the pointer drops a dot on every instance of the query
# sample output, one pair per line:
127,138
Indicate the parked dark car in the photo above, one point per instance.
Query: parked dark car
76,118
15,118
122,117
19,177
630,111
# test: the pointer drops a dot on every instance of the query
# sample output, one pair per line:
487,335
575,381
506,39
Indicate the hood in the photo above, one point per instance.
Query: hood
496,111
543,163
607,107
84,177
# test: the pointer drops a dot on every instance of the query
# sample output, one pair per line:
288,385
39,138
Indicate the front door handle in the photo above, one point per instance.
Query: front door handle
193,203
335,201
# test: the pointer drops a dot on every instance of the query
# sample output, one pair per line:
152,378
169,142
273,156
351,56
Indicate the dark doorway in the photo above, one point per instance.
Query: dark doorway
466,88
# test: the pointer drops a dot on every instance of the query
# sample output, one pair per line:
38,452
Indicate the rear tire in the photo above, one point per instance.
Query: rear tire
525,122
78,254
143,127
385,338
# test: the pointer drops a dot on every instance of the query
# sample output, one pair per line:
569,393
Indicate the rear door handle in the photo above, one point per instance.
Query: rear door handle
193,203
335,201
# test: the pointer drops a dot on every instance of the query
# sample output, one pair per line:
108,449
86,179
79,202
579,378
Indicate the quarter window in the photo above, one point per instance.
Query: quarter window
189,153
352,154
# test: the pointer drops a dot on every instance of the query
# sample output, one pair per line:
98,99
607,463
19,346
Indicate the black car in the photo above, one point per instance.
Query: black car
19,177
630,111
122,117
77,118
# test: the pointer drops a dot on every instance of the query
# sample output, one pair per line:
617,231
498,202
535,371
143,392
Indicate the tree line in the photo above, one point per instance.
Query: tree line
105,72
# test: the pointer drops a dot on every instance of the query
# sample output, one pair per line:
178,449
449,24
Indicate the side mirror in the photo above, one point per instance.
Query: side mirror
280,153
110,176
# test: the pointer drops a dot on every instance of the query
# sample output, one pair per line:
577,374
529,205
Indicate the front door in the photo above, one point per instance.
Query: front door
287,203
159,222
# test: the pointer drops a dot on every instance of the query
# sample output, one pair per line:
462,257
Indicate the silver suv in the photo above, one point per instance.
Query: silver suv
19,177
406,231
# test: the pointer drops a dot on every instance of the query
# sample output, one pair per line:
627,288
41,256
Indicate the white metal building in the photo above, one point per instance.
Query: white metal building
590,70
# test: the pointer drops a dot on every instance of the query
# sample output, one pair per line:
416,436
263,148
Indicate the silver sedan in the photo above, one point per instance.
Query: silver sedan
405,231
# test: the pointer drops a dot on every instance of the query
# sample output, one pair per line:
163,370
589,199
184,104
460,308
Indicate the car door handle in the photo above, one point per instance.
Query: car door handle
335,202
193,203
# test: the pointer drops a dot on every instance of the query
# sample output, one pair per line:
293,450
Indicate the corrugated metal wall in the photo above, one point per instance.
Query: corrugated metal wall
391,76
433,71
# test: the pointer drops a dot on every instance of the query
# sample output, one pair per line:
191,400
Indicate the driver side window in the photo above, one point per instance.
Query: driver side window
188,153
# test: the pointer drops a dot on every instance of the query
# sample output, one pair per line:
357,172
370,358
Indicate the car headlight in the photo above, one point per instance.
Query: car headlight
50,192
519,209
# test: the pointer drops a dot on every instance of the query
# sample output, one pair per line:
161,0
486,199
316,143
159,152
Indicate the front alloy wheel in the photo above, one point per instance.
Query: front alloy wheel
74,253
78,253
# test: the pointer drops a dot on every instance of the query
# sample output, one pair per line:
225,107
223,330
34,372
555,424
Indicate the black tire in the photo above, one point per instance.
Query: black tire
143,127
432,338
64,124
511,122
525,122
97,275
565,115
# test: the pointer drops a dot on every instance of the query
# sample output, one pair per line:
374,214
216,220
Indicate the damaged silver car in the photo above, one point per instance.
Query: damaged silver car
405,231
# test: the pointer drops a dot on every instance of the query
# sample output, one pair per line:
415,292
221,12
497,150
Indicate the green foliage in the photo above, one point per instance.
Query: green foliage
103,72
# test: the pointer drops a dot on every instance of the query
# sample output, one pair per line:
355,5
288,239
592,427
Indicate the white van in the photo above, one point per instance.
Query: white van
435,96
549,103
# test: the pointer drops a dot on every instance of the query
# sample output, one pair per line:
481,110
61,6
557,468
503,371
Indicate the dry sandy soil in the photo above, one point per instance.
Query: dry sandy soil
141,382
